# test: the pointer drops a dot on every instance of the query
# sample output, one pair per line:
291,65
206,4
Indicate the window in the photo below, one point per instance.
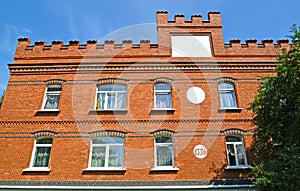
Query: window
107,152
111,97
41,152
162,96
235,151
164,155
227,95
52,97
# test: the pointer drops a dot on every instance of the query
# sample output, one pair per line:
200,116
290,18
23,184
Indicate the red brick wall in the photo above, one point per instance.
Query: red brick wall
81,68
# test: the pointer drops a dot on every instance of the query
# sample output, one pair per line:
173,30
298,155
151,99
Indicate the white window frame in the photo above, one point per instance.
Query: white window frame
235,143
162,92
157,145
227,90
52,93
116,92
33,155
106,162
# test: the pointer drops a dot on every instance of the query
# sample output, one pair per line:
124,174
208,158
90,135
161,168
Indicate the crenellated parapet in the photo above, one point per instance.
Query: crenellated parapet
252,47
109,51
77,51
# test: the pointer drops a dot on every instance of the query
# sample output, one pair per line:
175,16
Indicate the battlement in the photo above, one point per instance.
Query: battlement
214,19
162,50
75,44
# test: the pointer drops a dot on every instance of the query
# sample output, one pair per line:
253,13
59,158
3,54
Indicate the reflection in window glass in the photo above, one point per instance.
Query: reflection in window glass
52,97
111,97
162,96
164,151
107,152
42,152
227,95
235,151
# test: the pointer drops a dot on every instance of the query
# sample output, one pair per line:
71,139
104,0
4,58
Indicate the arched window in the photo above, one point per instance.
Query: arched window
162,96
236,155
111,97
52,97
164,152
227,95
107,152
41,152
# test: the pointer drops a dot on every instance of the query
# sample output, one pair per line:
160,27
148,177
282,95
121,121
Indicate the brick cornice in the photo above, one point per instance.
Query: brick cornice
87,122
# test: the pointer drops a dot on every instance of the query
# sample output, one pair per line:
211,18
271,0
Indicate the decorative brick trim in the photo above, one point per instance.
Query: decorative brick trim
55,82
237,41
226,79
89,122
163,132
233,131
108,133
44,133
92,42
37,43
74,42
112,81
57,42
162,80
251,41
267,41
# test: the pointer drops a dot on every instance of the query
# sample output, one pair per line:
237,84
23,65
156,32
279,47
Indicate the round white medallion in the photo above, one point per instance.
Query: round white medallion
200,151
195,95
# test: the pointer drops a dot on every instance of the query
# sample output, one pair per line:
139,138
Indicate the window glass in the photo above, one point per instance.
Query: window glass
107,152
52,97
236,155
227,95
42,152
162,96
164,151
162,87
111,97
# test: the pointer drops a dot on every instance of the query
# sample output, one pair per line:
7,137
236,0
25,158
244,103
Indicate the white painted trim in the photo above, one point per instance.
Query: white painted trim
104,169
164,168
238,167
37,169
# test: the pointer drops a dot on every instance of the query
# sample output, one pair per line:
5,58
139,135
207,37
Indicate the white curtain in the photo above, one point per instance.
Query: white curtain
42,156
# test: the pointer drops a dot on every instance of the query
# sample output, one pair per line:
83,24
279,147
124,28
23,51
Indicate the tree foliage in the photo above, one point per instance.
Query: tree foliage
1,99
275,145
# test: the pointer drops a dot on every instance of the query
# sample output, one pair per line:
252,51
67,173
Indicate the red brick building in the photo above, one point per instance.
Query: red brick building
171,115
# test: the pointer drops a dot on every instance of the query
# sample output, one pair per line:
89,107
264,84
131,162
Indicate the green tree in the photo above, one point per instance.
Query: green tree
1,98
275,145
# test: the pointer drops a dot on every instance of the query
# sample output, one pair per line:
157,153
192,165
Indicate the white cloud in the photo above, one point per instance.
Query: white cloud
9,37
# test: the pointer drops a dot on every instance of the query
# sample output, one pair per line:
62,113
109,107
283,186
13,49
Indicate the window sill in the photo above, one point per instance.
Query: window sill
238,167
230,109
47,112
109,111
162,110
155,169
37,169
96,169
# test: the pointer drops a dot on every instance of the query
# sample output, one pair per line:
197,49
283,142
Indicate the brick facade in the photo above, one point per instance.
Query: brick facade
80,68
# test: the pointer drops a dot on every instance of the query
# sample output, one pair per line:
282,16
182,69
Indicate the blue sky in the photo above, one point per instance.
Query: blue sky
48,20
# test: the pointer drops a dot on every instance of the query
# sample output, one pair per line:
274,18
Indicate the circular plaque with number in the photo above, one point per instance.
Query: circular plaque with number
200,151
